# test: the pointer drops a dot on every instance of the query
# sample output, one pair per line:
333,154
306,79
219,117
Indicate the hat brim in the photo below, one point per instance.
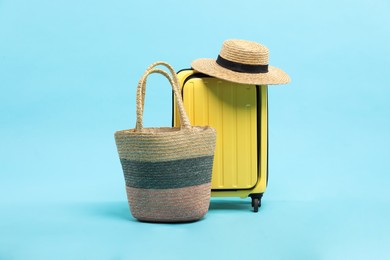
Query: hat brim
274,76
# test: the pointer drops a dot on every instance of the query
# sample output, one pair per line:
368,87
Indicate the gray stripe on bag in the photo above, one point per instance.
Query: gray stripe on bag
168,175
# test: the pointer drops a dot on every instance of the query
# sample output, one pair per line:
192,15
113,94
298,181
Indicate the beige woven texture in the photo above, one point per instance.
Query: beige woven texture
159,144
169,205
185,122
245,52
151,145
164,143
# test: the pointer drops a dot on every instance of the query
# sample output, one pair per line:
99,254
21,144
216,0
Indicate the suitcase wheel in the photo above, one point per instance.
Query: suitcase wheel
256,202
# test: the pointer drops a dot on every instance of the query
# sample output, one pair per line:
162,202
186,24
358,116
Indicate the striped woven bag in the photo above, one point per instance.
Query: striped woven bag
167,170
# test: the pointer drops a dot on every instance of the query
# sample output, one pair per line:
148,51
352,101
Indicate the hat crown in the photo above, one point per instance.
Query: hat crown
245,52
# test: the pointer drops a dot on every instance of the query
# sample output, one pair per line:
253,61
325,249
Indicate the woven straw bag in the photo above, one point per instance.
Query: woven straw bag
167,170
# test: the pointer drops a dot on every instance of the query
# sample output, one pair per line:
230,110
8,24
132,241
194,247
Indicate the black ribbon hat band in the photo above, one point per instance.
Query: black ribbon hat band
241,67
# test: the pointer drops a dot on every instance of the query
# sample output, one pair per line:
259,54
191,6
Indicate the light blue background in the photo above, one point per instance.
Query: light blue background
68,73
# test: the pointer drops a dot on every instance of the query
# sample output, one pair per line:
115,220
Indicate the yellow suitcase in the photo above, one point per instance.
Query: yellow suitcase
239,114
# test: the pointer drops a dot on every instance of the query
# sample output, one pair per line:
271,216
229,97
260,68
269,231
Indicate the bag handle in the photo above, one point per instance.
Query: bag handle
141,89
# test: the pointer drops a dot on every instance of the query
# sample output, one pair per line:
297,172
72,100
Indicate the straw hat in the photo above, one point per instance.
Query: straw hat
243,62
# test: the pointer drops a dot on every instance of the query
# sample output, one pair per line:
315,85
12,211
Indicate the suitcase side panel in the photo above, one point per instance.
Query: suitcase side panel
231,109
262,118
263,146
261,184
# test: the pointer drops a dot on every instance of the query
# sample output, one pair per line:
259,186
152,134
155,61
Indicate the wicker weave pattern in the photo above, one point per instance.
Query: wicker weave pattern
243,52
157,145
169,205
159,175
167,170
